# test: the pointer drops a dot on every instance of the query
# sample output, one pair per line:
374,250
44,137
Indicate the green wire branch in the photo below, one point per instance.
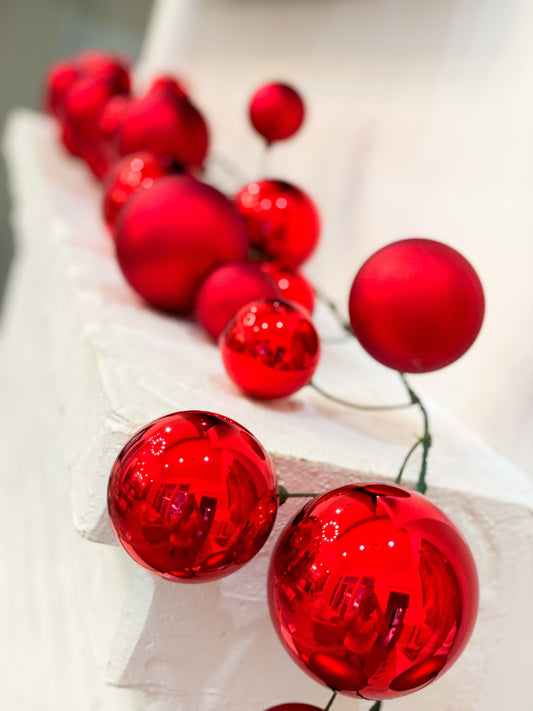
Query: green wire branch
424,441
283,495
376,706
330,702
356,406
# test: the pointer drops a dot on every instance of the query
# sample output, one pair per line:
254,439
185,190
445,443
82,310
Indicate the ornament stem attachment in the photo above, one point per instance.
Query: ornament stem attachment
330,702
376,706
356,406
283,495
424,440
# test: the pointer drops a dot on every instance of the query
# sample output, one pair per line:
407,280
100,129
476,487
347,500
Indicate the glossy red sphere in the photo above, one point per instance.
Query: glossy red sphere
270,349
373,590
416,305
276,111
282,220
129,175
169,238
292,285
167,124
228,289
192,496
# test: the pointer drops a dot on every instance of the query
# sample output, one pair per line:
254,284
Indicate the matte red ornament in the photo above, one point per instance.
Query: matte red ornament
105,67
373,591
292,285
192,496
169,238
82,106
416,305
130,174
270,349
282,221
228,289
276,111
167,124
59,80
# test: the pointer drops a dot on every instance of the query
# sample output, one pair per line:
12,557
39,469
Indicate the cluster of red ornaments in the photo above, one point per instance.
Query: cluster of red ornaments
372,589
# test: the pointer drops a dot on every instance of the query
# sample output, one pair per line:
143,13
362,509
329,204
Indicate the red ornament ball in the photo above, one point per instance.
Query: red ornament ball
59,80
170,84
105,67
166,123
276,111
282,221
270,349
192,496
228,289
130,174
373,591
292,285
416,305
169,238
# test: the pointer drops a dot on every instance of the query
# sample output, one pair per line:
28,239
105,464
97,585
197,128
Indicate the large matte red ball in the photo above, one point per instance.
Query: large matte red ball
292,285
192,496
276,111
416,305
167,124
282,221
373,591
270,349
129,175
228,289
169,238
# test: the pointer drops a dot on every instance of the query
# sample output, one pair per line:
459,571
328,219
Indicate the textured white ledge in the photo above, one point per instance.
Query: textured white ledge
95,364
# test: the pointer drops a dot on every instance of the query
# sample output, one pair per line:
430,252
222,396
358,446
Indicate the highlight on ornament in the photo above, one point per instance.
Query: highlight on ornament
192,496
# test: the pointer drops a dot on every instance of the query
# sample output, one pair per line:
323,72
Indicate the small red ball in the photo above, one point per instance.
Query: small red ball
270,349
82,105
276,111
192,496
59,80
292,285
282,221
105,67
129,175
170,84
416,305
169,238
373,591
167,124
111,116
228,289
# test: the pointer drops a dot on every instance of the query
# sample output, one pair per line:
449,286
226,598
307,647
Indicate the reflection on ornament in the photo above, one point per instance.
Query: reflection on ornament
416,305
270,349
282,221
373,591
192,496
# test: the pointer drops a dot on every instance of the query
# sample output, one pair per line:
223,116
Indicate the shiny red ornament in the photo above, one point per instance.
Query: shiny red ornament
59,80
169,238
129,175
270,349
111,116
276,111
416,305
292,285
192,496
282,221
228,289
373,591
167,124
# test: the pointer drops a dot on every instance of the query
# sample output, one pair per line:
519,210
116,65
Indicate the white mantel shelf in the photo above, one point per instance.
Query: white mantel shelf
84,365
